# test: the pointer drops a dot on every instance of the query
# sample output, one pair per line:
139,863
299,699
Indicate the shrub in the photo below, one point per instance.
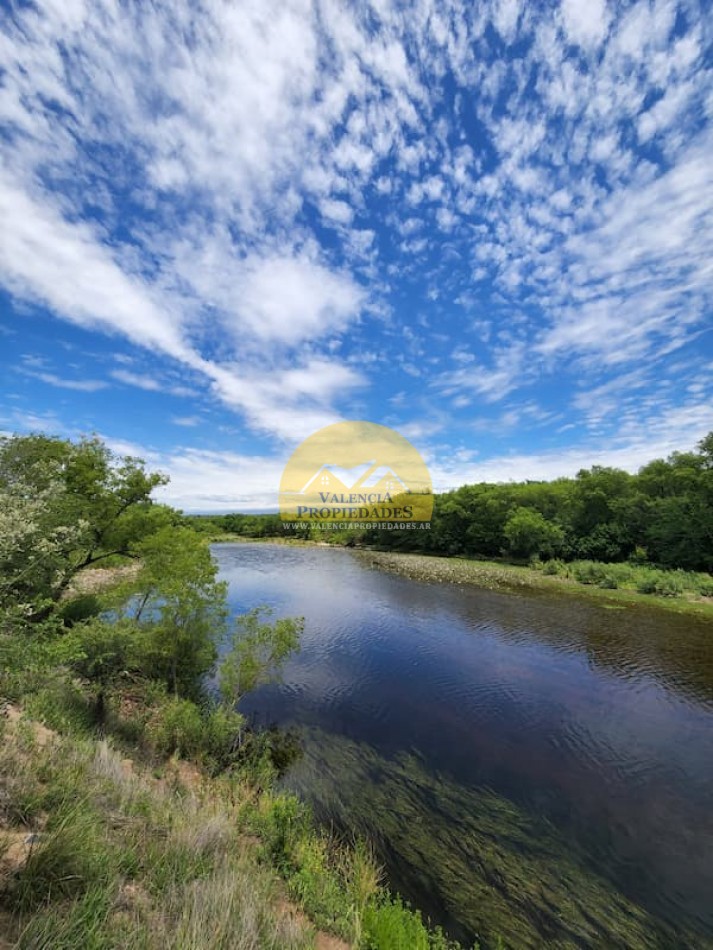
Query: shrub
80,608
554,566
704,585
63,705
390,924
177,727
588,572
222,728
646,581
669,584
663,583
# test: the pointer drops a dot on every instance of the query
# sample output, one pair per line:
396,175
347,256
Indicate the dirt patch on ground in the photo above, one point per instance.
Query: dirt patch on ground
16,848
42,734
94,579
6,927
323,941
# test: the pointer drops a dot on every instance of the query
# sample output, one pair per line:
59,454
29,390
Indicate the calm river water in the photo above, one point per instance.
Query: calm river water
529,766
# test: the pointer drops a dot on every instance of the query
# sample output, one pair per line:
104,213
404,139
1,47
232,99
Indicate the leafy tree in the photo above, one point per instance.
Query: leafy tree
451,524
258,652
101,651
529,533
179,605
94,506
705,450
680,532
664,512
33,545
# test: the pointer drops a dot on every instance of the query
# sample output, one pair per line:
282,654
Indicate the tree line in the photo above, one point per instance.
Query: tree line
661,515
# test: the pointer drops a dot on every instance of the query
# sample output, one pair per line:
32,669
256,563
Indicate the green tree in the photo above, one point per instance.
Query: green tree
257,653
528,533
94,505
34,547
178,606
101,651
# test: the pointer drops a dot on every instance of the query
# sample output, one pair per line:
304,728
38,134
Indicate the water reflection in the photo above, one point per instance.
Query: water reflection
594,725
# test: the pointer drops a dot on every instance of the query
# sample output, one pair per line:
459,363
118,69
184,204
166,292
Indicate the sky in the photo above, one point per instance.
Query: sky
488,225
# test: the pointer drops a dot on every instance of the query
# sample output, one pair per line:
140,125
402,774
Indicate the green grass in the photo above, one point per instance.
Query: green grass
392,925
121,859
641,578
340,884
131,854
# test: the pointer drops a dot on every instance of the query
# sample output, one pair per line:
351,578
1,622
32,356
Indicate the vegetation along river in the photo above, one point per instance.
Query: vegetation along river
530,767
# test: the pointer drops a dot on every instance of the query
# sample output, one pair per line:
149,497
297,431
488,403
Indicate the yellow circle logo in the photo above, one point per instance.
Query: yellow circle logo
356,474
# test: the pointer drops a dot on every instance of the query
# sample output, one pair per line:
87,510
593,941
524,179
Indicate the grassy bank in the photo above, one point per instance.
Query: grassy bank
96,852
580,579
103,850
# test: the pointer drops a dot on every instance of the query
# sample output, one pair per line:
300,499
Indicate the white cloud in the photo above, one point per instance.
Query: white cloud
585,21
165,163
48,259
290,404
638,275
80,385
508,372
506,15
205,481
290,299
150,383
186,421
338,211
637,442
225,119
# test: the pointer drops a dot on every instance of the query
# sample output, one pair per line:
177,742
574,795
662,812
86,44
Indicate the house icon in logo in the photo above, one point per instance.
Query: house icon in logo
384,481
367,476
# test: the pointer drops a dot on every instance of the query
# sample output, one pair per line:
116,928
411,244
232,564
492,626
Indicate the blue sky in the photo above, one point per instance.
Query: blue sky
487,225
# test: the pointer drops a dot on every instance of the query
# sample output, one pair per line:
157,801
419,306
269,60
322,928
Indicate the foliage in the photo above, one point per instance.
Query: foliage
339,885
133,862
631,576
177,599
258,652
71,857
528,532
67,506
392,925
209,735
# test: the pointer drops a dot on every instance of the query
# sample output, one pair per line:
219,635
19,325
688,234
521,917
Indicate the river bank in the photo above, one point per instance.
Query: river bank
157,856
511,577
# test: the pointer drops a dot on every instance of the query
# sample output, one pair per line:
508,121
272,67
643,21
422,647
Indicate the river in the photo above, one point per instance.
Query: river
527,766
